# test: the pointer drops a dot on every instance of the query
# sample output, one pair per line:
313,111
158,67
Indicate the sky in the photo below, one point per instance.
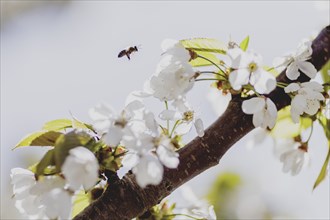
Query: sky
61,59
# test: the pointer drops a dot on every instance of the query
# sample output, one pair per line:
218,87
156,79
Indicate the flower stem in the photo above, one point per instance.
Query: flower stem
173,129
167,121
310,134
207,79
212,63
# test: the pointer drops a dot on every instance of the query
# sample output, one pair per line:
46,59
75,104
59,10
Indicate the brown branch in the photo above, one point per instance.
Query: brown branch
124,199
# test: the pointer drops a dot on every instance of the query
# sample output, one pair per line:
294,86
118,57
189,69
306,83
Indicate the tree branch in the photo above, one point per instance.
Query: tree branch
124,199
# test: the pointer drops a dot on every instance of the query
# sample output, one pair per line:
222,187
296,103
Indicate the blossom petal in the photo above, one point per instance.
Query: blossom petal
113,136
183,128
259,119
199,127
299,104
292,87
313,85
148,171
271,113
170,115
307,68
312,106
292,71
238,78
266,82
168,157
295,115
253,105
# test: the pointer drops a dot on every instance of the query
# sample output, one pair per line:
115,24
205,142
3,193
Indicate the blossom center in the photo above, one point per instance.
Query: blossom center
188,115
252,67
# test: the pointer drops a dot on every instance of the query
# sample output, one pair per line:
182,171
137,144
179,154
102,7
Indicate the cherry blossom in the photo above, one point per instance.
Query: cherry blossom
248,69
175,49
307,97
109,124
81,168
149,150
45,198
194,206
298,61
263,109
173,78
293,160
186,116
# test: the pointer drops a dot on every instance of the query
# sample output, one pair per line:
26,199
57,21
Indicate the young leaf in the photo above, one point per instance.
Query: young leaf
286,128
57,125
80,202
66,142
205,45
41,138
79,124
64,123
203,62
47,160
323,172
325,123
245,43
325,75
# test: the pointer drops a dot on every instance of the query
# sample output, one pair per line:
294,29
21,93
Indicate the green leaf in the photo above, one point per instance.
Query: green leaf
47,160
79,124
57,125
325,75
325,123
286,128
203,62
323,172
68,141
41,138
205,45
80,202
245,43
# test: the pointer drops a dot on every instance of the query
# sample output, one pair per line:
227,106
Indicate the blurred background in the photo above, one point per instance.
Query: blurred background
60,57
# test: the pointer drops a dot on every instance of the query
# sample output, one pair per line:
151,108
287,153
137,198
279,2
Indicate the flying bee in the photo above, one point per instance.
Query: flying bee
128,51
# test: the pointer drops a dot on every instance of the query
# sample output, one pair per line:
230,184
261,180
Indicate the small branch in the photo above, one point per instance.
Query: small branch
124,199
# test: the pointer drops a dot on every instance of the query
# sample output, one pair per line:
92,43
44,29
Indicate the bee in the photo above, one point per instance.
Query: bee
128,51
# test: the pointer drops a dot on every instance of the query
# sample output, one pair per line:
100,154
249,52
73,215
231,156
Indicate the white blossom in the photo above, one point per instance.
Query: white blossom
149,170
42,199
57,203
187,118
307,97
173,78
109,124
194,206
23,180
293,160
296,62
80,168
263,109
248,69
175,49
149,150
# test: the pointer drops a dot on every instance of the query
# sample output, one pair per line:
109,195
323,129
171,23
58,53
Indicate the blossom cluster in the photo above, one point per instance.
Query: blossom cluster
136,139
51,196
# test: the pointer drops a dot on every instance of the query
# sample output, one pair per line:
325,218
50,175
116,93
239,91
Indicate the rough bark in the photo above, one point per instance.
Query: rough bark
124,199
